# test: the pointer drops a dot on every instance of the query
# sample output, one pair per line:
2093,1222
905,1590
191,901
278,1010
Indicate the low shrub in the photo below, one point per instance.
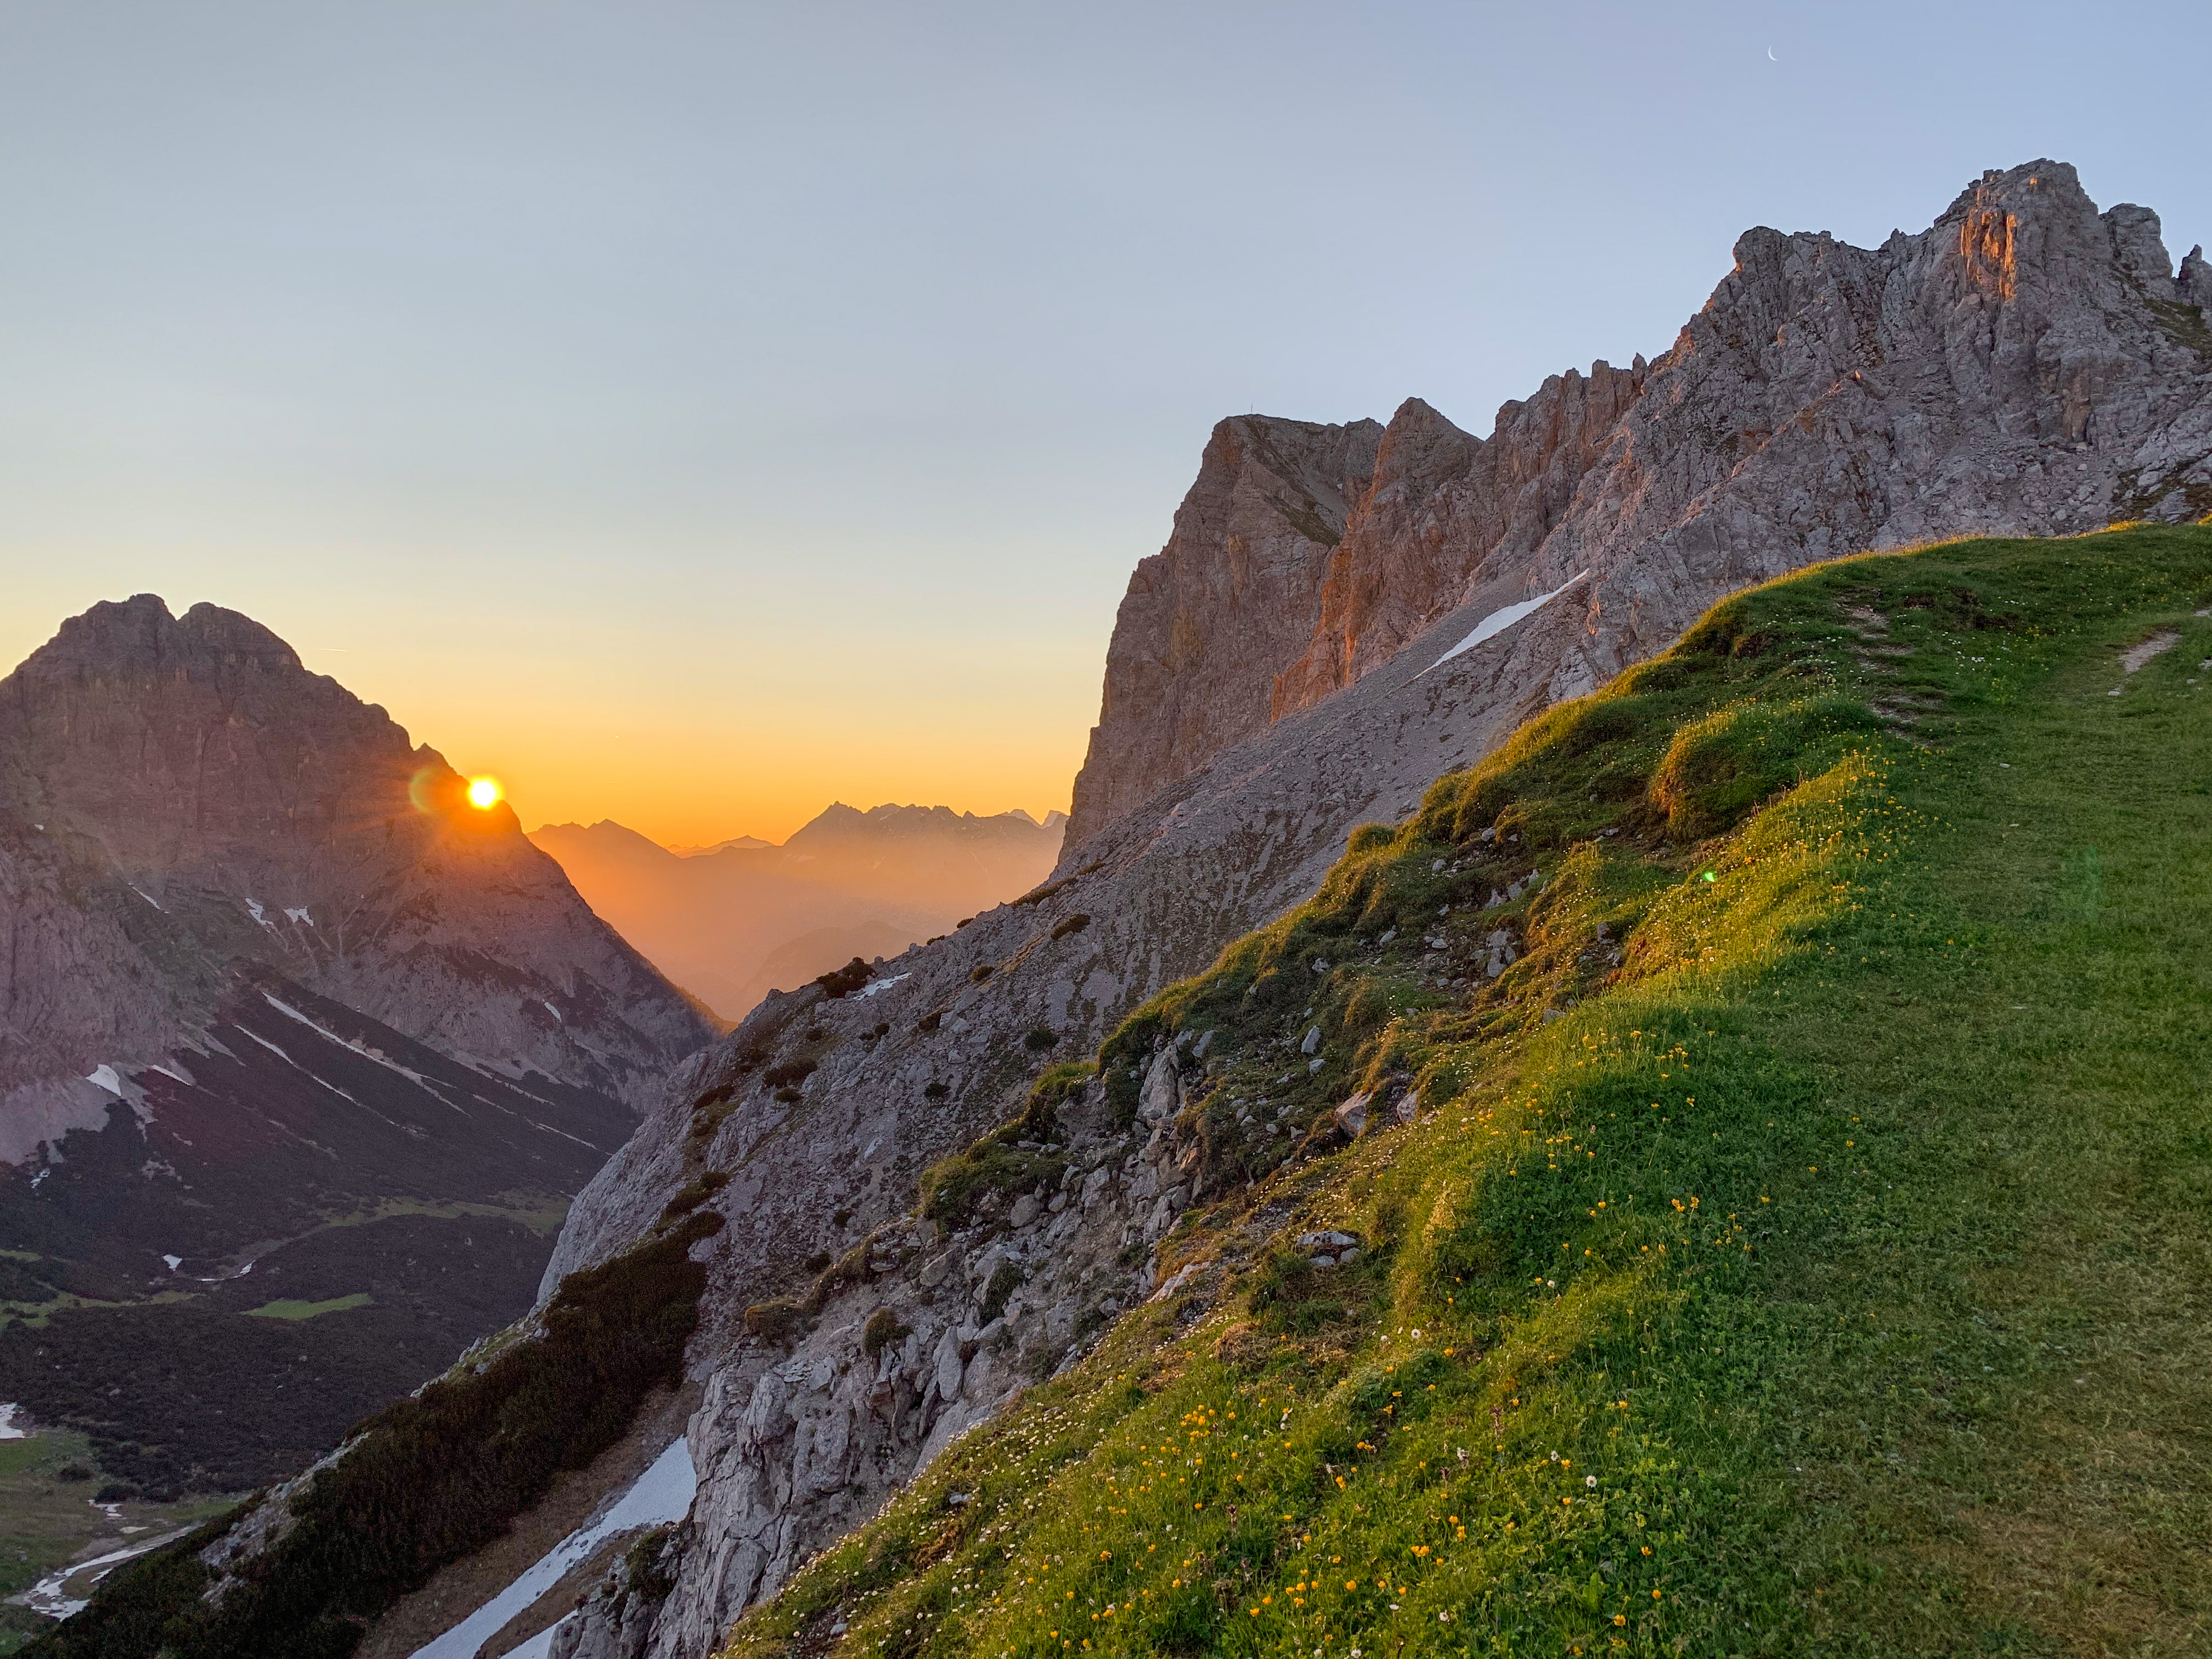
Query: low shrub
692,1193
980,972
1067,925
424,1482
791,1072
646,1580
952,1187
882,1330
1005,1279
1039,1039
936,1092
1370,838
843,982
779,1320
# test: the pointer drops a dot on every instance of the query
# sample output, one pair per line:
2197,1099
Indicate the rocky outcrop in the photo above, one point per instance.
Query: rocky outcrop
1225,604
1446,511
2027,365
797,1444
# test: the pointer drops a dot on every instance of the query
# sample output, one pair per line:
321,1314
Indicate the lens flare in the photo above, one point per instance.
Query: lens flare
483,793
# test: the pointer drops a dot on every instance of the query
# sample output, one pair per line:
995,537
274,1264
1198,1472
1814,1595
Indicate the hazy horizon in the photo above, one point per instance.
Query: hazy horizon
692,415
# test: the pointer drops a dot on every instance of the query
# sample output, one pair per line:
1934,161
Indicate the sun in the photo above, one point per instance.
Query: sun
483,793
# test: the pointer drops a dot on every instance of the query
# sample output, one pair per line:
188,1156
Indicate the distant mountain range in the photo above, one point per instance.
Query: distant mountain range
734,920
283,1019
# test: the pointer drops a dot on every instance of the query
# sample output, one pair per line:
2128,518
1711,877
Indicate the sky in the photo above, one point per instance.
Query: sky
693,413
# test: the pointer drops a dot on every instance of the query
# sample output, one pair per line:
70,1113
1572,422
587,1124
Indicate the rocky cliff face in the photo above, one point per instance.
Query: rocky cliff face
1231,594
2025,365
269,986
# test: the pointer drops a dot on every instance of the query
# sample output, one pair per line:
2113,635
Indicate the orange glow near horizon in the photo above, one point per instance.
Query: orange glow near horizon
703,726
483,793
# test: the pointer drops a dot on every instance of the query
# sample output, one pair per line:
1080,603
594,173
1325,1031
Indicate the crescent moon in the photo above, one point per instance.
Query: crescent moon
1770,56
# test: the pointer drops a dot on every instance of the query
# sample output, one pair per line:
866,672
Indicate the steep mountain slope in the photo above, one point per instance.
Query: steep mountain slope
735,920
286,1021
1667,1194
1769,1224
802,1138
2025,366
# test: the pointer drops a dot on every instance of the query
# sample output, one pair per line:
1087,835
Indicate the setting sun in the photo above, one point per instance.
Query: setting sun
483,793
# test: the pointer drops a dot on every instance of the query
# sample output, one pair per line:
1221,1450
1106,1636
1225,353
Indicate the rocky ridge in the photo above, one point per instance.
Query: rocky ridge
2027,365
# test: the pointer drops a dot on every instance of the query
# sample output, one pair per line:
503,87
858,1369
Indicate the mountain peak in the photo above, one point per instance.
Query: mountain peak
139,635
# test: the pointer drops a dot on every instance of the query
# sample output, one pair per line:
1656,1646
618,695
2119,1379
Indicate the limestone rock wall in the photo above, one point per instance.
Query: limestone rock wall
1227,601
2027,364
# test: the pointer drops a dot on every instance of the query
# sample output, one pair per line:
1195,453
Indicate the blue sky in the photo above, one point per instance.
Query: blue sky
693,412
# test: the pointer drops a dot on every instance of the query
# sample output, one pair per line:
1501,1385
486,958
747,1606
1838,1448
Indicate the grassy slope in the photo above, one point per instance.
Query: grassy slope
1828,1277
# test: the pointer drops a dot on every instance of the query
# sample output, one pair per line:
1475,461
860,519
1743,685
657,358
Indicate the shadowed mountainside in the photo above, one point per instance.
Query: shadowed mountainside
286,1020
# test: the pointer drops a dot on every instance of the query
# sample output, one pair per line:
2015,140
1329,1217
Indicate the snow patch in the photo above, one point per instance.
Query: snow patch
254,905
7,1429
1499,621
555,1012
269,1046
662,1493
174,1261
48,1596
540,1646
867,991
299,914
105,1077
366,1052
149,898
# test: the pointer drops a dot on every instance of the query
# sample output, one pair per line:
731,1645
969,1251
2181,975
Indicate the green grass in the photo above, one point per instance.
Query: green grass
46,1521
1808,1260
293,1308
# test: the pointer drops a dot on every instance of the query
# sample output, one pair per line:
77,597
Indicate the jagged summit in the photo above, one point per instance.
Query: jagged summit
2026,365
139,633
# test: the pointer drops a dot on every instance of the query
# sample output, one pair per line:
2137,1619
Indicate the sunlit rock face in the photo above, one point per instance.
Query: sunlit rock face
273,992
2025,365
1230,597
